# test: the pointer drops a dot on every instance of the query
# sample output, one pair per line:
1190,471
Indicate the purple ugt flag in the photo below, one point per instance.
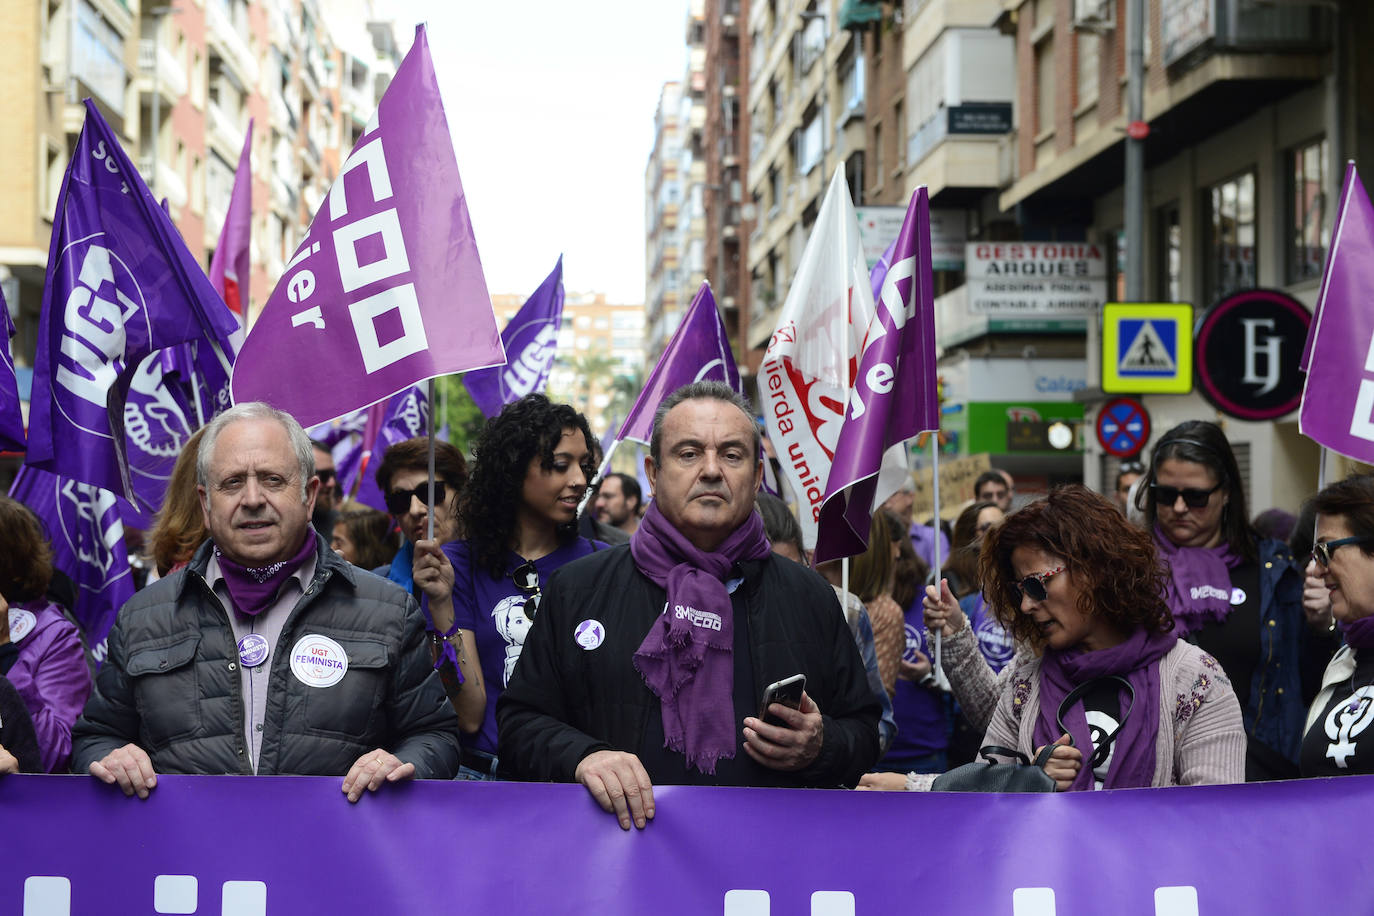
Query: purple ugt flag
1337,408
86,527
405,417
895,393
386,289
699,351
11,417
530,341
121,285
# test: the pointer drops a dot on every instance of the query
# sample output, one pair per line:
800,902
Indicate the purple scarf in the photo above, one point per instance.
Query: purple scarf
1359,634
254,589
1136,660
1199,587
687,658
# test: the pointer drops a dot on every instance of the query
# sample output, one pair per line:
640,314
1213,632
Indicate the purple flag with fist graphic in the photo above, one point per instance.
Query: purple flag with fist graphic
530,341
386,289
894,394
121,285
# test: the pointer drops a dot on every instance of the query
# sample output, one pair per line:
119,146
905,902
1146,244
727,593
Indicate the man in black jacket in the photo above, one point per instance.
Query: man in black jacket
267,653
647,663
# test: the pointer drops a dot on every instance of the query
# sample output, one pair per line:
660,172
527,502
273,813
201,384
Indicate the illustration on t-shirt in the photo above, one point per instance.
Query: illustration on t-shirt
1346,722
511,622
1100,726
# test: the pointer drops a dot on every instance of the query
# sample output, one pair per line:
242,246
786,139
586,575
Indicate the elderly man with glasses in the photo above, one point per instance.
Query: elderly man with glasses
267,654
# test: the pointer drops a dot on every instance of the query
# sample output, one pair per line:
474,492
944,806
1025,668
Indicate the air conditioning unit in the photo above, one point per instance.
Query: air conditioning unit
1097,16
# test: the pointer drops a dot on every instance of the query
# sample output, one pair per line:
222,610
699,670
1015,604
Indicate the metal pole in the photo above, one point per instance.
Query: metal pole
1135,151
429,534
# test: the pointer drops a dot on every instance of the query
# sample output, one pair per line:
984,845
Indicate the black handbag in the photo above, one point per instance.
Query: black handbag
1026,775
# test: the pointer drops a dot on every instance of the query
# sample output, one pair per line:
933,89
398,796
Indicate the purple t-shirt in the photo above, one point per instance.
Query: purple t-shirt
922,728
995,643
494,610
51,675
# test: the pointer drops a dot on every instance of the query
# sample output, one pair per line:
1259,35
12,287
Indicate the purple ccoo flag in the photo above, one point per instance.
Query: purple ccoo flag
530,341
699,351
11,417
121,285
386,289
85,525
1337,408
894,395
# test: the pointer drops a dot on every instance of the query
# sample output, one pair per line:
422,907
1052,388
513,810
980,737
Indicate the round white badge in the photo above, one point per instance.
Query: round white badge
1237,595
318,661
589,634
21,623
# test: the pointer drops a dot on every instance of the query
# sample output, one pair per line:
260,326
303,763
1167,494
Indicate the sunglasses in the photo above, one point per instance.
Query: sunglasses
1321,552
526,579
1034,585
1192,498
398,501
326,477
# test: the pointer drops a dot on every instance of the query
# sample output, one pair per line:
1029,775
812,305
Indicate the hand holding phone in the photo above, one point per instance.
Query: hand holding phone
788,692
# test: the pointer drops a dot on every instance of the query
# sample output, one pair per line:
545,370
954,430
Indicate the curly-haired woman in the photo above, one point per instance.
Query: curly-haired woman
530,470
1072,578
40,650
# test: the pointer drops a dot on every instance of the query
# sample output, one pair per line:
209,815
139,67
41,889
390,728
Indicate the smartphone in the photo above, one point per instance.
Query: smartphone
787,691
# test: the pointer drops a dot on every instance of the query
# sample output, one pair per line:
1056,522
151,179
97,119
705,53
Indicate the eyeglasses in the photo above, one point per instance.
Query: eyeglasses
526,579
1192,498
1034,585
398,501
1321,551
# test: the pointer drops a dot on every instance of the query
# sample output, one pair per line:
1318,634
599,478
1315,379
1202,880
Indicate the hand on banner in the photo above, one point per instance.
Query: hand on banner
942,612
371,770
8,764
620,785
434,575
1064,763
788,748
130,766
883,782
1316,599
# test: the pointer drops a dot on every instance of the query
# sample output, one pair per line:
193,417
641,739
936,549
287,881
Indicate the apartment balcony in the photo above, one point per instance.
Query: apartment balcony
167,183
96,64
157,65
283,198
225,135
360,101
221,33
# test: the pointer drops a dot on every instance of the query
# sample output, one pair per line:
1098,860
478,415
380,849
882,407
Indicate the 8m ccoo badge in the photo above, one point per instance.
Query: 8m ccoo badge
1248,348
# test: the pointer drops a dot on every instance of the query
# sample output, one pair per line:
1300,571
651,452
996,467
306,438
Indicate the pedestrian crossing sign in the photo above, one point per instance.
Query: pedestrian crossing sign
1147,348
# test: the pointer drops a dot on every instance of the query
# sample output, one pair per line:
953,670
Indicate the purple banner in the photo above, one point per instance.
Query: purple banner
530,341
894,394
386,289
539,848
11,416
1337,408
699,351
86,527
121,285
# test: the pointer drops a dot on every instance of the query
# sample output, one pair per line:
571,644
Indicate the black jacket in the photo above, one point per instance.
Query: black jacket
171,682
564,702
16,729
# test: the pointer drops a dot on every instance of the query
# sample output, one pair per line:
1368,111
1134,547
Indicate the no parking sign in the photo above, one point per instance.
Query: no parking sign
1123,427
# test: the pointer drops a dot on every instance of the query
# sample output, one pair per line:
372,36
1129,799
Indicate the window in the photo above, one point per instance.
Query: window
1230,250
809,145
852,82
899,119
1170,252
1307,237
878,157
1044,86
1088,51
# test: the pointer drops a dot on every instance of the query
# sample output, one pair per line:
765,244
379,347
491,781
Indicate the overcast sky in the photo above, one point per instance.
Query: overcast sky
551,106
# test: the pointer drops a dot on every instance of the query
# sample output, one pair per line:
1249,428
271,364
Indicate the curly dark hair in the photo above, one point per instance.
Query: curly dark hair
490,503
25,554
1112,562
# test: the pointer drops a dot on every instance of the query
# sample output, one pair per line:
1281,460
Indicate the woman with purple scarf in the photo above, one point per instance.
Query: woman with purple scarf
1130,703
1338,740
40,649
1236,595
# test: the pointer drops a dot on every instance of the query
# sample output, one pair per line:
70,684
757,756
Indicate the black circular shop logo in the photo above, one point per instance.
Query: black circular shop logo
1248,349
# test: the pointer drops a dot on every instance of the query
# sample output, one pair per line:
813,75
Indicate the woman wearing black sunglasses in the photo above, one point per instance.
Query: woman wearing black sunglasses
1338,740
1069,576
1234,594
532,464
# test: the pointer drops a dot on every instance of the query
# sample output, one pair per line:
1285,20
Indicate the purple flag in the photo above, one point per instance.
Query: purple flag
86,527
230,264
1338,398
406,416
699,351
121,285
530,341
878,271
386,289
11,417
894,395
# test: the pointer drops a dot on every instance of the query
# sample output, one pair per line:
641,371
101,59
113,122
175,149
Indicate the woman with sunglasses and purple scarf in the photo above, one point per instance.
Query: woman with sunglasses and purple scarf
1236,595
532,464
1338,740
1130,703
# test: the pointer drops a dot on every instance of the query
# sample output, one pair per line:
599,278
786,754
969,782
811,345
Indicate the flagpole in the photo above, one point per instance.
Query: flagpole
430,523
935,544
